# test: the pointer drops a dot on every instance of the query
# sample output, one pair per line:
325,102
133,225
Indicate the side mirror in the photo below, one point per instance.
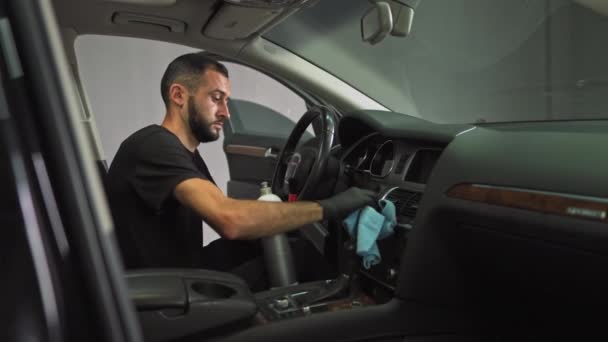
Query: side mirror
377,23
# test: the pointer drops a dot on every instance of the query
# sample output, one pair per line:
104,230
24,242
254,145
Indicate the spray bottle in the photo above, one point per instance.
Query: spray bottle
277,252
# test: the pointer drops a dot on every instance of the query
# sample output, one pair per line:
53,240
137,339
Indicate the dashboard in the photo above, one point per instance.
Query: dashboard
398,168
488,216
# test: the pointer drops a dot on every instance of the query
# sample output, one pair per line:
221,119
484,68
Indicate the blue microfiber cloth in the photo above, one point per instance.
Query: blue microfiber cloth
368,225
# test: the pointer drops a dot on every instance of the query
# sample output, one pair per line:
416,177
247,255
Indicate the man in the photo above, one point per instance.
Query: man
160,188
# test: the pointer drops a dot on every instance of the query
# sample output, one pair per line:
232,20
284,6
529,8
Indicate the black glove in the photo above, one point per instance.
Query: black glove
344,203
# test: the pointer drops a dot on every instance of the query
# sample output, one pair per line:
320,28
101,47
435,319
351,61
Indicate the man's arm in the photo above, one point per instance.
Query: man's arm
244,219
247,219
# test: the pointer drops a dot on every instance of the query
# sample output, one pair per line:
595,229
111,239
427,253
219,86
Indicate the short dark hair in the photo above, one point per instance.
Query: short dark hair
187,70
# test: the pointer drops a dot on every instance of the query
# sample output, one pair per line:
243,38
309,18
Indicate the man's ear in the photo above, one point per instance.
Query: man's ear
178,94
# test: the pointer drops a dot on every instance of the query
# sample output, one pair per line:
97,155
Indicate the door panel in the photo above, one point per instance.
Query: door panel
263,111
253,139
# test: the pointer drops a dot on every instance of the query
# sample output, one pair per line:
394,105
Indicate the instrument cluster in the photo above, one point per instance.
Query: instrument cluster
374,155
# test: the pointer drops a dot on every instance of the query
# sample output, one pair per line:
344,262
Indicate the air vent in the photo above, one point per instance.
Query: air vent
406,202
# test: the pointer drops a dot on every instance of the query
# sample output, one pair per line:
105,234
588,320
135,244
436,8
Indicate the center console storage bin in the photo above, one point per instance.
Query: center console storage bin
174,303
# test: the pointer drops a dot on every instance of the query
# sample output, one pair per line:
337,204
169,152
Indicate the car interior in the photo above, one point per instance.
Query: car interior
501,224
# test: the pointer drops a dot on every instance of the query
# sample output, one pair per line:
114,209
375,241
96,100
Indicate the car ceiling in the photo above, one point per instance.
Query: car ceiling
82,17
79,17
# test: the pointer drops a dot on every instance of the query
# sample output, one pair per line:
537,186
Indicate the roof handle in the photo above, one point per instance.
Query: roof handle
128,18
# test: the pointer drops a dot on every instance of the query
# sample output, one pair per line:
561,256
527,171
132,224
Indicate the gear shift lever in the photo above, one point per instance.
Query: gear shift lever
347,266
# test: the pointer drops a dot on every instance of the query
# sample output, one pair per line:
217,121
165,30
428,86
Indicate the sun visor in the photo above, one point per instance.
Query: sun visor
236,22
240,19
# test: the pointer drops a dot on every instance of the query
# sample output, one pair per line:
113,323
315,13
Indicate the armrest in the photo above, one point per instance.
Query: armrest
174,303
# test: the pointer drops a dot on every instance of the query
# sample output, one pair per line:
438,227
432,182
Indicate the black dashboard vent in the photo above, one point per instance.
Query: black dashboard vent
406,202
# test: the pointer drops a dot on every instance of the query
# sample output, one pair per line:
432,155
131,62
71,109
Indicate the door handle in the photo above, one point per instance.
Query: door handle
271,152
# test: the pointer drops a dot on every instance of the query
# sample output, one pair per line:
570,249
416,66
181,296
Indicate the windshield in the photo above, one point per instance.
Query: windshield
467,61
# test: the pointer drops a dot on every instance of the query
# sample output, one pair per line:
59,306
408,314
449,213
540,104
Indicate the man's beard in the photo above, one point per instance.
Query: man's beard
201,129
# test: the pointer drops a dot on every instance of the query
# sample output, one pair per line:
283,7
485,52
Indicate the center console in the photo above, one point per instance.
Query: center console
309,298
193,303
177,303
182,303
351,290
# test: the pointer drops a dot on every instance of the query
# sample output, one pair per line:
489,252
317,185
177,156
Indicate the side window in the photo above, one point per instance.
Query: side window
256,119
260,105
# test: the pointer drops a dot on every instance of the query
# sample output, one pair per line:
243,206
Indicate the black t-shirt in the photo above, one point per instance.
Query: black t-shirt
152,227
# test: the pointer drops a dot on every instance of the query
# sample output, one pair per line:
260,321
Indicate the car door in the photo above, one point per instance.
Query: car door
263,113
62,279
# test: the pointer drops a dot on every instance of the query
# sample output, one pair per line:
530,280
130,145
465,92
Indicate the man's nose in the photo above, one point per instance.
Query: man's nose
224,111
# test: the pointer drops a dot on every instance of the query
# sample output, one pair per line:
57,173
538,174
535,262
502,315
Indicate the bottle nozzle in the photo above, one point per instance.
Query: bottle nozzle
265,189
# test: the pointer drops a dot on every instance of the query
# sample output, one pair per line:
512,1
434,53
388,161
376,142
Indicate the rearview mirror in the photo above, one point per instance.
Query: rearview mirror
403,16
376,23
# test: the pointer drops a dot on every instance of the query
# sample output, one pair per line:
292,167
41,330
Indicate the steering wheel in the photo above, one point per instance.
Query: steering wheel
313,156
277,251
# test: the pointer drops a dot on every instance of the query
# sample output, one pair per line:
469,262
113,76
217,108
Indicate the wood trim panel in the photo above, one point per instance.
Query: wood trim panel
244,150
543,202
